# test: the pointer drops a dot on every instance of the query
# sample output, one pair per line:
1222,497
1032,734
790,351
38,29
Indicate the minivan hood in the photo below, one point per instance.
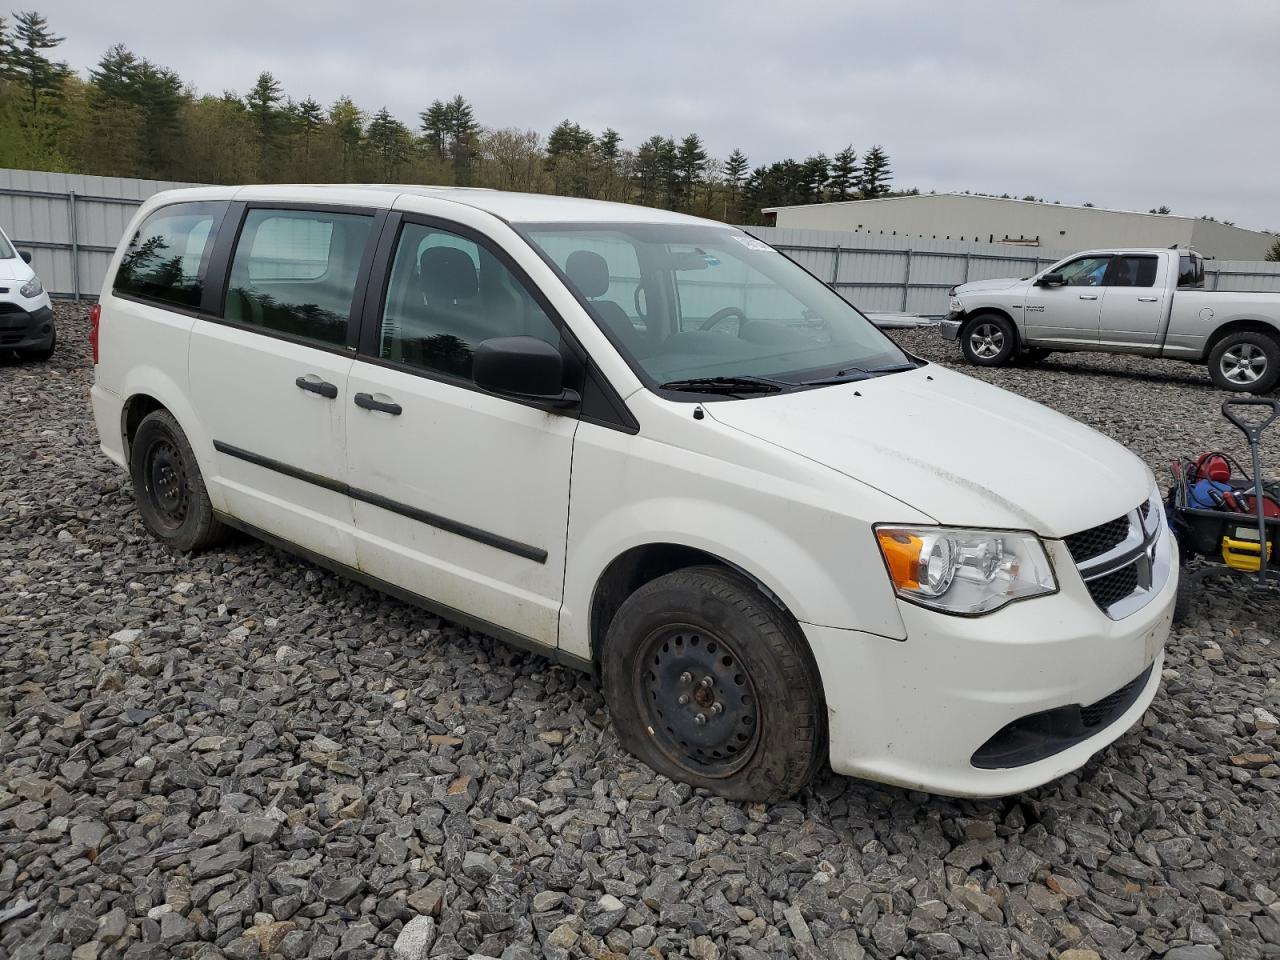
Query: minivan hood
988,286
959,450
14,268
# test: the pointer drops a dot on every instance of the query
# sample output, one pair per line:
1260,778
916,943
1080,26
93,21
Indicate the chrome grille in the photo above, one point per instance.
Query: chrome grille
1123,562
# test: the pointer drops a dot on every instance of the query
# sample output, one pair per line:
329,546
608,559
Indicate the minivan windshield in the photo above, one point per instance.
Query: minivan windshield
6,248
710,309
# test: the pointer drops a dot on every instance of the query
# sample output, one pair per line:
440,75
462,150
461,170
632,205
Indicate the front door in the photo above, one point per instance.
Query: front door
269,376
459,496
1068,313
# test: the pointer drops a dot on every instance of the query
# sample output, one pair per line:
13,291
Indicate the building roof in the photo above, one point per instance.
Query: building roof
977,196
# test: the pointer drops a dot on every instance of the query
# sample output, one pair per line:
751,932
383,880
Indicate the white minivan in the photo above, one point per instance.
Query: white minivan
651,446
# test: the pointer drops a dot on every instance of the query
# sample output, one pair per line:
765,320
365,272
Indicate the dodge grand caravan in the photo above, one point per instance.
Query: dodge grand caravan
651,446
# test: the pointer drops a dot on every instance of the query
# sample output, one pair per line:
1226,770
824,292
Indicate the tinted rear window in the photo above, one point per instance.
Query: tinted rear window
1190,270
166,255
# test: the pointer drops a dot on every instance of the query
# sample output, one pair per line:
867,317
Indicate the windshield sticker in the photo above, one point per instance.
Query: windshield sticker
751,243
710,260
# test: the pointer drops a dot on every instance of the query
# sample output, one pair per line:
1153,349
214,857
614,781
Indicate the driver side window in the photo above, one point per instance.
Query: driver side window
1085,272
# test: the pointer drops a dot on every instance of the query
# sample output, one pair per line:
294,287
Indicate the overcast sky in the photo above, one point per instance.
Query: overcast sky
1121,103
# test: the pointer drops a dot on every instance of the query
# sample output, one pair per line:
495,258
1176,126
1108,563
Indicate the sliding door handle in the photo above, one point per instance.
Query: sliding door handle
366,401
315,385
1148,299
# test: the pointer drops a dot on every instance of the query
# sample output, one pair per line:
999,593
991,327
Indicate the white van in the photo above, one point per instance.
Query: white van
26,315
652,446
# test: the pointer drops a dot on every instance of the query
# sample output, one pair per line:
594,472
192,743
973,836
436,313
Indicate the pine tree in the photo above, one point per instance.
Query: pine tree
390,142
7,51
463,131
569,158
690,170
27,63
876,174
348,124
735,172
310,119
263,103
435,127
1273,254
816,171
844,174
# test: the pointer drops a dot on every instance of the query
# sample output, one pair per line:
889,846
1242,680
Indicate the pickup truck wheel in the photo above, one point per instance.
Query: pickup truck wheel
710,683
989,340
1247,362
168,487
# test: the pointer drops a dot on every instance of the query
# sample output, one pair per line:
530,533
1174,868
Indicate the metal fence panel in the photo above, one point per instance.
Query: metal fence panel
883,273
71,223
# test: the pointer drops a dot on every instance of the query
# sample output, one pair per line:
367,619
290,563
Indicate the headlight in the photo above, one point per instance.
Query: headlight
966,572
956,305
32,288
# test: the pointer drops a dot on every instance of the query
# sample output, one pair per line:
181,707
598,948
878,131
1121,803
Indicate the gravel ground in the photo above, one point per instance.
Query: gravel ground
238,755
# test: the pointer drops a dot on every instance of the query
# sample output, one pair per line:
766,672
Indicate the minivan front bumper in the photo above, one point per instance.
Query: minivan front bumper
993,705
21,329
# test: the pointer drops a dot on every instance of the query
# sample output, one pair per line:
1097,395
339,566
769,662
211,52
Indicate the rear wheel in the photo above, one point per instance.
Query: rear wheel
168,487
710,683
989,340
1247,362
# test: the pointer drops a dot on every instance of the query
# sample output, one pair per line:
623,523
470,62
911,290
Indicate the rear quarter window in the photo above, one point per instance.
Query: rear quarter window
166,256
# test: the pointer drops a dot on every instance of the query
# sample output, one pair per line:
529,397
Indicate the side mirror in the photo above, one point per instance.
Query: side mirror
524,368
1052,280
25,255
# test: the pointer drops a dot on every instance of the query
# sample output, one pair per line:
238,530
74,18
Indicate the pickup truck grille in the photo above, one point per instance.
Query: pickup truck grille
1124,562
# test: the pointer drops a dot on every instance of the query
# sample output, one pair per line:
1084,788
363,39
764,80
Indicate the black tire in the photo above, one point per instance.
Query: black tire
764,730
1034,355
1182,602
1246,362
989,340
168,487
40,354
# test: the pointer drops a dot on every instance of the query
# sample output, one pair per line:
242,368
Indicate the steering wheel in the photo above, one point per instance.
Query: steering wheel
723,314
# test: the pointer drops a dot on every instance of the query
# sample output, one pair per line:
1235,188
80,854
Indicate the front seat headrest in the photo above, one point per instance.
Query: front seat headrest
588,272
447,273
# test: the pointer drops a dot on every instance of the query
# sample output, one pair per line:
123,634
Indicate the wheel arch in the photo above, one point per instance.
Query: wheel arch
132,413
1241,325
973,316
641,564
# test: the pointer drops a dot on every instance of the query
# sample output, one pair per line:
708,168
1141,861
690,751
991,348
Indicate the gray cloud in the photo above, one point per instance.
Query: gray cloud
1115,102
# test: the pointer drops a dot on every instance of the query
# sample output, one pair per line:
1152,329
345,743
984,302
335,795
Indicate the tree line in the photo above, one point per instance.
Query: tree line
133,118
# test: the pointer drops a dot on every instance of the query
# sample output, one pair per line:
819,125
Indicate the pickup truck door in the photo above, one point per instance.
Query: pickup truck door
1135,302
1068,313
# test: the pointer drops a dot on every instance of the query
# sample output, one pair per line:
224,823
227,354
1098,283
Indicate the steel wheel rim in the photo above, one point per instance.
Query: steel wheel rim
166,483
1244,363
986,341
683,673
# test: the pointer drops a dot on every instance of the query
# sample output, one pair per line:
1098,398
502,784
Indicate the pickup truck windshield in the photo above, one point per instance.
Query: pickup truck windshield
711,309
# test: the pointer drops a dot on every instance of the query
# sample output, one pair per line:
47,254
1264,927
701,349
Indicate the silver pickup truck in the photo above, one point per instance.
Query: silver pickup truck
1148,302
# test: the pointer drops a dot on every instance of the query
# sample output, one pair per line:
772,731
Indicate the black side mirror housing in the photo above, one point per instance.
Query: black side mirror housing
1052,280
524,368
25,255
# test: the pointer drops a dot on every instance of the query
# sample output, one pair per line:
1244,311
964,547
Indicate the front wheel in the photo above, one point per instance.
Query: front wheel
1247,362
710,683
989,340
168,487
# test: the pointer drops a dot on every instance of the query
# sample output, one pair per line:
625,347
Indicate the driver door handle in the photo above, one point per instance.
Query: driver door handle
1148,299
1088,296
321,387
366,401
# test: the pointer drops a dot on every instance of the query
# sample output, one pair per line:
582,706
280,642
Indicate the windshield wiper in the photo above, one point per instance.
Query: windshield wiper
727,385
850,374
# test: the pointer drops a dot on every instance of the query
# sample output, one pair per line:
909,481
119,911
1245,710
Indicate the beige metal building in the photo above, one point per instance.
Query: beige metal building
959,216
